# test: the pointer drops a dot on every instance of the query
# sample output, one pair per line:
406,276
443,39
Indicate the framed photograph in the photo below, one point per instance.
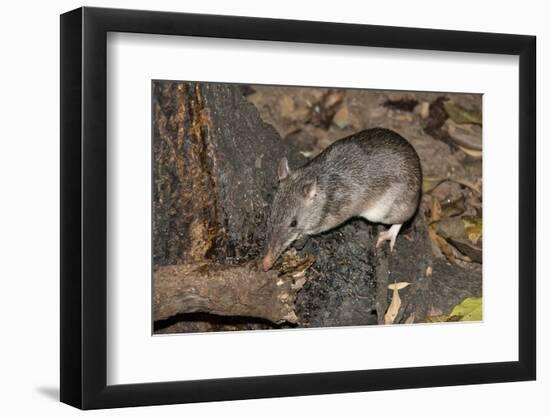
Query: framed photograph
256,208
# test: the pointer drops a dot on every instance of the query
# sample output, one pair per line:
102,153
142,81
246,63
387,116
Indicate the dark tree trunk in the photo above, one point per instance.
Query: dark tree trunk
215,164
214,173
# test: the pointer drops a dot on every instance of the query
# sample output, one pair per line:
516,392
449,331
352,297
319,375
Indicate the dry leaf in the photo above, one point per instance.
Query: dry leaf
393,309
472,252
398,285
342,118
287,107
435,212
410,319
423,109
442,244
472,152
332,98
299,283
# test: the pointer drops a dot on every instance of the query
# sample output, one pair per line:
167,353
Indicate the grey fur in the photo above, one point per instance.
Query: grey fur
375,174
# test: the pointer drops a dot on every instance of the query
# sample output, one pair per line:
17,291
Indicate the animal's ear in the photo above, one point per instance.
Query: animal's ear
310,189
283,170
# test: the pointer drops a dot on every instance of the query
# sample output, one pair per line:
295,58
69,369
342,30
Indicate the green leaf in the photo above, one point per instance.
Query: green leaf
469,310
473,228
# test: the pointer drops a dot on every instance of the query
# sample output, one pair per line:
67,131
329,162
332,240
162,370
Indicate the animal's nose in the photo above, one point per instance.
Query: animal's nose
268,262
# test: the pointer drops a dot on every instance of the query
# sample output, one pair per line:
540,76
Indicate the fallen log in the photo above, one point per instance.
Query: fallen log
227,290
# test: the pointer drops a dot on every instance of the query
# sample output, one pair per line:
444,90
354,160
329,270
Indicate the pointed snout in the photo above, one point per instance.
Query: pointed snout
267,262
273,251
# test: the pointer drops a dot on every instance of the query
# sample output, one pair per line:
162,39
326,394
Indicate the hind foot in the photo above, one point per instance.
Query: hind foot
390,234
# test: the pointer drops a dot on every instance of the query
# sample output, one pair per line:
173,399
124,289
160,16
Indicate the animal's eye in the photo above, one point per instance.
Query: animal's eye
293,223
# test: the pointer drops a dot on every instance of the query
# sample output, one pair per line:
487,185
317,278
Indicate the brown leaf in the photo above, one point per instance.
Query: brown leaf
472,152
435,212
286,107
442,244
332,98
423,109
393,309
410,319
471,251
294,265
342,118
398,285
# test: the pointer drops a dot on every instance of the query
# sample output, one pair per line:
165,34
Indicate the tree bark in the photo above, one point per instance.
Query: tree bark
215,165
227,291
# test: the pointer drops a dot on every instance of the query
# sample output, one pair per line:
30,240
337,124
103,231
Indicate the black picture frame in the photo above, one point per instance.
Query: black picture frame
84,207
